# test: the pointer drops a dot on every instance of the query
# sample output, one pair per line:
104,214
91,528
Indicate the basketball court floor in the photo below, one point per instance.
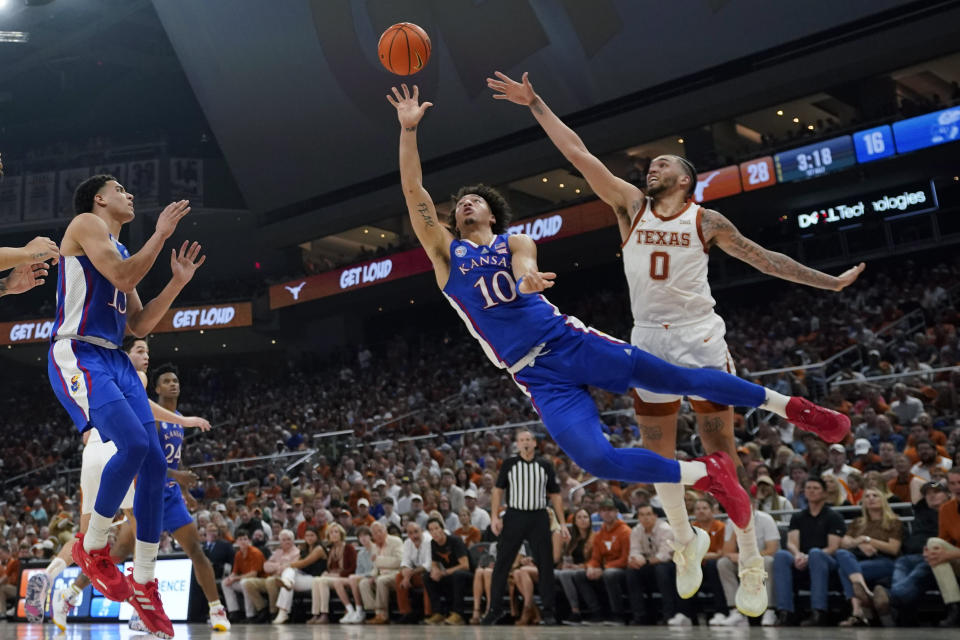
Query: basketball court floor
20,631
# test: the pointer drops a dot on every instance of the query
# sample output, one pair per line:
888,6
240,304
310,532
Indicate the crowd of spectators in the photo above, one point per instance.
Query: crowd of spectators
381,510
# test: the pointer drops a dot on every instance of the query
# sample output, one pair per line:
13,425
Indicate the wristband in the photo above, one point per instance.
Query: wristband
519,280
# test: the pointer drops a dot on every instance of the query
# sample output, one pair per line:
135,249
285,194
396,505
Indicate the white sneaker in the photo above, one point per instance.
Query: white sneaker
219,620
718,620
136,624
688,559
680,620
360,617
737,619
752,593
63,601
282,617
348,617
769,618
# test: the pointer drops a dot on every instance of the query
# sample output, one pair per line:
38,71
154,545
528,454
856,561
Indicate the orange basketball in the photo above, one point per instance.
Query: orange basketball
404,48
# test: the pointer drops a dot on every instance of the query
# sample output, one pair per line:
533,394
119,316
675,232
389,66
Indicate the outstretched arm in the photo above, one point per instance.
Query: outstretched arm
434,237
37,250
721,232
141,319
625,198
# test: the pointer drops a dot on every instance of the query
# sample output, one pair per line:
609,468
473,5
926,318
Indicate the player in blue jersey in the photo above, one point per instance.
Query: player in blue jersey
493,282
97,303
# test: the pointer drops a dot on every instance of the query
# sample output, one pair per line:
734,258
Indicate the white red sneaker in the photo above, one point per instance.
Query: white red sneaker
828,424
219,620
146,602
38,587
102,571
63,601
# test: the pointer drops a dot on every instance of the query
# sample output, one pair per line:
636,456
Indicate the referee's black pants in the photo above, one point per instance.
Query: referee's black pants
533,526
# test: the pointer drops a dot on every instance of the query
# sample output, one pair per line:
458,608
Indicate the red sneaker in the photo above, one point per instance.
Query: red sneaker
102,570
826,423
723,484
146,601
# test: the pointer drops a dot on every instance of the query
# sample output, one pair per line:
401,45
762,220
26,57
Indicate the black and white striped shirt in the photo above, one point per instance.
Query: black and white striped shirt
527,484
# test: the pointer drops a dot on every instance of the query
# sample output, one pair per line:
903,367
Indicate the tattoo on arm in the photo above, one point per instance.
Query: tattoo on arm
770,262
424,212
713,425
651,432
413,128
37,256
536,107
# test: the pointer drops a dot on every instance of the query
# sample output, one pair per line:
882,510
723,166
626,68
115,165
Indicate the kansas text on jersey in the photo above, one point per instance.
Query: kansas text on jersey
484,293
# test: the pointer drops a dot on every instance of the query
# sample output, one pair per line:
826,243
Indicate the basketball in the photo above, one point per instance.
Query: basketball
404,48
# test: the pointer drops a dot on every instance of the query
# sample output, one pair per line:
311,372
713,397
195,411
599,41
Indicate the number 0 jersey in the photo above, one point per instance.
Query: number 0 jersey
665,260
88,305
482,290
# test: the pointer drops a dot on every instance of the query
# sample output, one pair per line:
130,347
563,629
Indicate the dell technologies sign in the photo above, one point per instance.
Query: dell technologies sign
889,203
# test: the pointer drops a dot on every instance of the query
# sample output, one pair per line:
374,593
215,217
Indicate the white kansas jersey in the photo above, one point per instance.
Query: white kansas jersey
665,260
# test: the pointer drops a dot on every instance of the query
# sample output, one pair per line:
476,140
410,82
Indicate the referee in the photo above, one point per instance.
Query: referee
528,481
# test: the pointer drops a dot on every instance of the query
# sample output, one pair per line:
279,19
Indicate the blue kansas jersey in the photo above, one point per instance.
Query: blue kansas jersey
87,304
171,439
483,291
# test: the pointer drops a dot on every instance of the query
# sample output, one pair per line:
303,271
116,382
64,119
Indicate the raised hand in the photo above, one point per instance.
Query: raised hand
184,263
170,216
409,109
23,278
849,276
42,248
536,281
517,92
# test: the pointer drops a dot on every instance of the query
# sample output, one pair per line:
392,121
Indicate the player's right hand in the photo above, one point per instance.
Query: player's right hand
517,92
170,216
41,249
536,281
409,111
849,276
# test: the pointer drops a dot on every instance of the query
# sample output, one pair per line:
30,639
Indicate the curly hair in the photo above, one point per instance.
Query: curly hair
87,191
495,200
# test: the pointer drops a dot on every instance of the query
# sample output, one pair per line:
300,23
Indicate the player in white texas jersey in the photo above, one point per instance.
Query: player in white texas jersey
666,238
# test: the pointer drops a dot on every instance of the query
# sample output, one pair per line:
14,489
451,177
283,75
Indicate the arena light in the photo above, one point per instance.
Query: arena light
779,112
13,36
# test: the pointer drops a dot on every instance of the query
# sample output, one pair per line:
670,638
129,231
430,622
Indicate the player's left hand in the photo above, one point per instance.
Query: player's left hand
184,263
849,276
197,422
536,281
517,92
24,278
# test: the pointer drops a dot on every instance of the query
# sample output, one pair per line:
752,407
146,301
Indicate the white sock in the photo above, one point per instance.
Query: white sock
214,604
690,472
671,496
747,541
776,402
96,535
56,566
75,590
144,561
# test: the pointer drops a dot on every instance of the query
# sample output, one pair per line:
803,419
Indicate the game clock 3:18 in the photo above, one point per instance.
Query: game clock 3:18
815,159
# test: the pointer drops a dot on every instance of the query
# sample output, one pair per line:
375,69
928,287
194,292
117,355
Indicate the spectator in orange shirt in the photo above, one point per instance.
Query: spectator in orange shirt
363,517
608,562
905,486
359,491
920,432
10,579
467,532
247,563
